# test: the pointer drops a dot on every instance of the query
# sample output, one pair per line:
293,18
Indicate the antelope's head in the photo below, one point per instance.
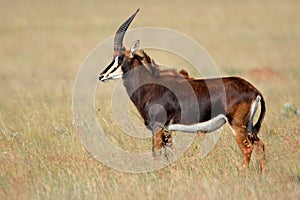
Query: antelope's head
123,59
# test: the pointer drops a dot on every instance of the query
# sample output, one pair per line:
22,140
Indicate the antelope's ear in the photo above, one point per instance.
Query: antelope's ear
135,46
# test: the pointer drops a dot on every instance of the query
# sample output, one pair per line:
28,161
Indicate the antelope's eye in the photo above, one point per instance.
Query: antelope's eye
120,59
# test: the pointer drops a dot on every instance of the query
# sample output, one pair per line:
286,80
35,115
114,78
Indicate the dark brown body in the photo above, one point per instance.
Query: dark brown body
226,95
164,98
214,96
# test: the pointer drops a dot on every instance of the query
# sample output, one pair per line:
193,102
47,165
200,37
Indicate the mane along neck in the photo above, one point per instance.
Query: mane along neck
144,73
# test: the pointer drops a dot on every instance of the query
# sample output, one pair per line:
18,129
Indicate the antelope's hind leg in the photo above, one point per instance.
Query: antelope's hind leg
247,146
259,149
244,144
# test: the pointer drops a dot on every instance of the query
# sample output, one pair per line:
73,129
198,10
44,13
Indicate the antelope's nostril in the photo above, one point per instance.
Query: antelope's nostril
100,77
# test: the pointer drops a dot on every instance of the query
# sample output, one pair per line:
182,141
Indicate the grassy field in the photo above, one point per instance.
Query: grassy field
42,45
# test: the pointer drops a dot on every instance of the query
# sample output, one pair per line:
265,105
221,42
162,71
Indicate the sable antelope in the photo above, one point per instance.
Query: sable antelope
163,99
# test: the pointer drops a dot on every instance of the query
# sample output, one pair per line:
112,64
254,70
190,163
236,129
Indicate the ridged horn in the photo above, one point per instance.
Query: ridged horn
118,41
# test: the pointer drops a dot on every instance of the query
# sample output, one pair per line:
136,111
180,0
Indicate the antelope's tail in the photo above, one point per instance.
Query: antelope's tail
253,130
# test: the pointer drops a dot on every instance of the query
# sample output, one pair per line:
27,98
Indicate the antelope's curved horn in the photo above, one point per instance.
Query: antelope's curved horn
118,41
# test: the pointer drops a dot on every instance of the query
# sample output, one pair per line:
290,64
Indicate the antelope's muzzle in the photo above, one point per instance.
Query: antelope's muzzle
112,71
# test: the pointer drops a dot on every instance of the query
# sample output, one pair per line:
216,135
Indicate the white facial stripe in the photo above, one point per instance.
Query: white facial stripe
112,67
114,72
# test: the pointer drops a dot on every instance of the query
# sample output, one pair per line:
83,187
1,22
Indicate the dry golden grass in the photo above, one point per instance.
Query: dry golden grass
43,43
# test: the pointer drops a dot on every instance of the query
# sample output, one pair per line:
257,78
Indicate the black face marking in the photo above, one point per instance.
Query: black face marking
115,69
109,66
120,60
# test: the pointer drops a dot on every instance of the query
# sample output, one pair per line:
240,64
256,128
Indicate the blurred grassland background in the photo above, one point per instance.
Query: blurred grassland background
42,45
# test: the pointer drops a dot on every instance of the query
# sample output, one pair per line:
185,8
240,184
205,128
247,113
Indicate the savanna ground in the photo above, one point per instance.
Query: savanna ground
42,45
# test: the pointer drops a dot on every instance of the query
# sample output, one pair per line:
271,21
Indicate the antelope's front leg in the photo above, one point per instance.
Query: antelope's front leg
168,144
157,142
167,139
160,139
